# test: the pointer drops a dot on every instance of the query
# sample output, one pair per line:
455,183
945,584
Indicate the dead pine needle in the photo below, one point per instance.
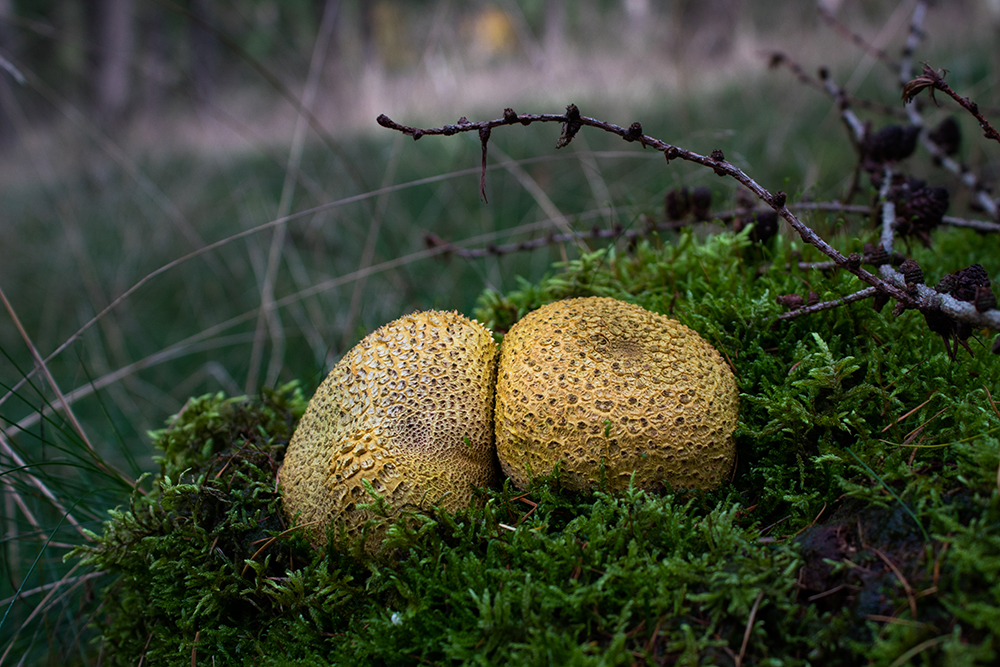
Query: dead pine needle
919,648
902,580
271,540
749,628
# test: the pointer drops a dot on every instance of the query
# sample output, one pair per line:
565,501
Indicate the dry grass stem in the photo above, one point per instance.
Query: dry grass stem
267,314
8,451
918,649
749,629
368,252
902,580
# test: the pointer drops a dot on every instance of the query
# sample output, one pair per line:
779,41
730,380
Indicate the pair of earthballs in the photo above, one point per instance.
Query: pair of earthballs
422,410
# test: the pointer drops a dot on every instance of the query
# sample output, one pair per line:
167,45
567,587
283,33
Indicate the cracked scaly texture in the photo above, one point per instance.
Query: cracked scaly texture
410,410
595,381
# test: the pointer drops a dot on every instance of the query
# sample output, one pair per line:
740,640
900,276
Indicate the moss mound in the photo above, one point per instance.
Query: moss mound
862,525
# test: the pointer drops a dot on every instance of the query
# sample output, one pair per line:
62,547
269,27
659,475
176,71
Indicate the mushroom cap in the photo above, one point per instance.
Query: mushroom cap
599,383
409,409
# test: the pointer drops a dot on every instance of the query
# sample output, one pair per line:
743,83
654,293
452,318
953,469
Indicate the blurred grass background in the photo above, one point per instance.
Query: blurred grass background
89,209
96,198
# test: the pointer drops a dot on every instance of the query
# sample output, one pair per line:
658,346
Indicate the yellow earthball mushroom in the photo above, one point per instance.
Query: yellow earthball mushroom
595,382
410,410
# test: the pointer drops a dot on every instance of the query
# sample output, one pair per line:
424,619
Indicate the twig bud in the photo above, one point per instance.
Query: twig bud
876,256
570,127
790,301
967,282
947,135
677,203
634,133
509,116
701,203
912,273
718,156
878,303
985,299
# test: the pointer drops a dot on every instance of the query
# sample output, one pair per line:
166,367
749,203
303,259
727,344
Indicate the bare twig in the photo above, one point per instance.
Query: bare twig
981,225
888,210
933,80
861,295
913,40
891,283
572,121
855,38
859,132
852,122
781,59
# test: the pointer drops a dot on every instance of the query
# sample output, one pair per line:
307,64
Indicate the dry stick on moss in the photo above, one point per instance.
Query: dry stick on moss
618,232
861,295
902,580
892,283
268,541
835,206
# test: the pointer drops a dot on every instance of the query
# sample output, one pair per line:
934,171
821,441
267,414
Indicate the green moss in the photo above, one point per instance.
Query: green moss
862,523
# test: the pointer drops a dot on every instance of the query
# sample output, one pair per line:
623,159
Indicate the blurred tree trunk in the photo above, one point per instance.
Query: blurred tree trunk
203,51
706,28
555,30
155,58
111,28
7,132
369,51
